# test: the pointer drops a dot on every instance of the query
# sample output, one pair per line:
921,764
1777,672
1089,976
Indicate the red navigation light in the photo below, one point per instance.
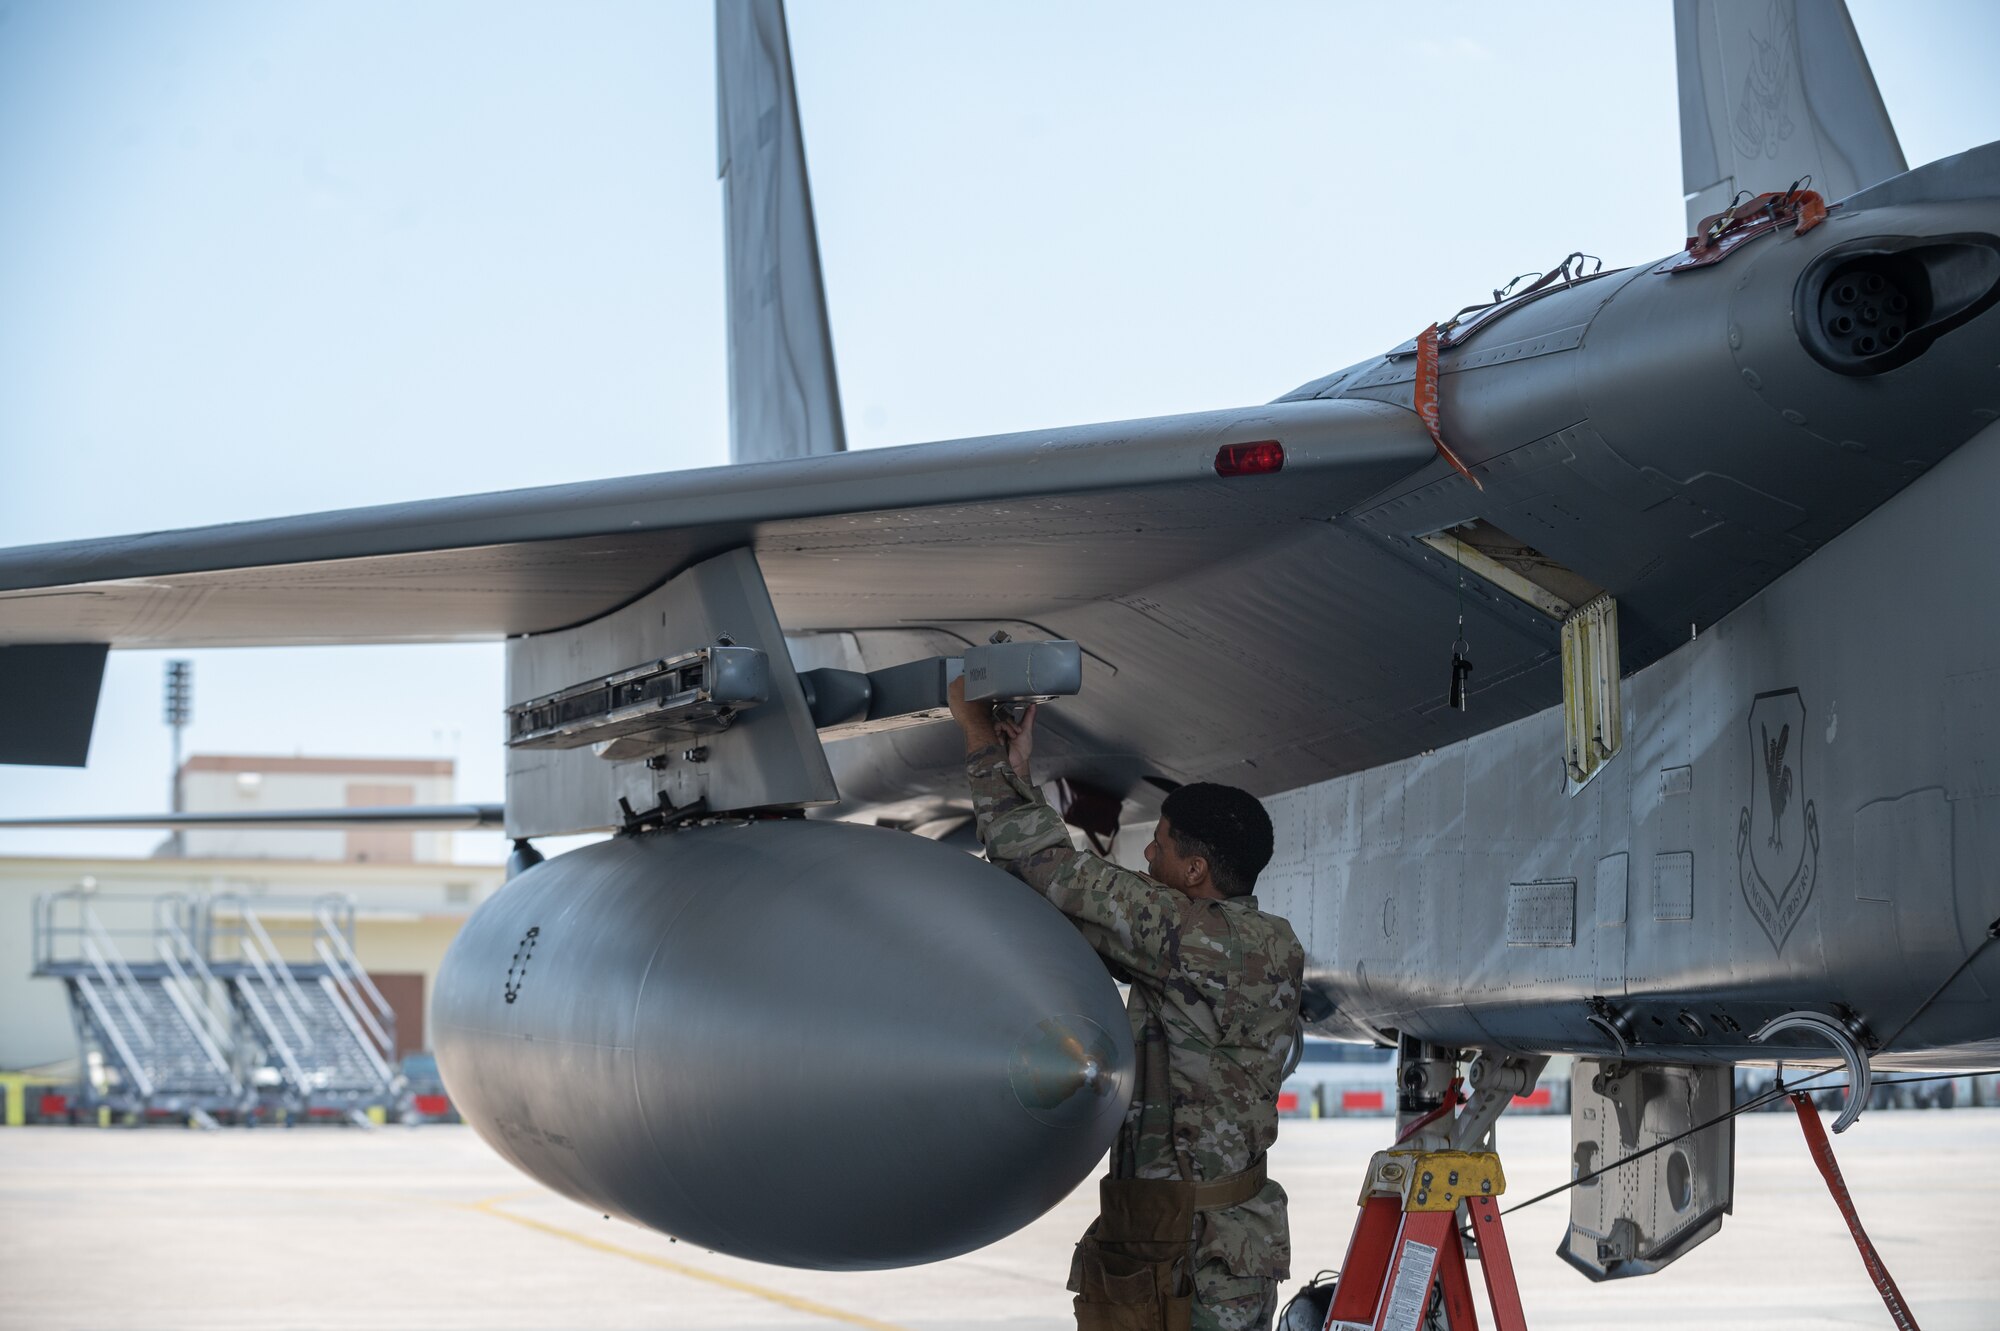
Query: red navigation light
1258,459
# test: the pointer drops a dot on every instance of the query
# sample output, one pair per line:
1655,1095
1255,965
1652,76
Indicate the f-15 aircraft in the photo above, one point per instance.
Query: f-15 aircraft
1709,778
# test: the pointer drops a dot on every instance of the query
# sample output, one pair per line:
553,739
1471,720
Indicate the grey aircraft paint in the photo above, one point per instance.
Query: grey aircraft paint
898,1028
1771,93
1802,814
1671,891
784,397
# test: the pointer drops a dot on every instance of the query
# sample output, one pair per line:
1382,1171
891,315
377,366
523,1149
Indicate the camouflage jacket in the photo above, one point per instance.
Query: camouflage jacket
1224,980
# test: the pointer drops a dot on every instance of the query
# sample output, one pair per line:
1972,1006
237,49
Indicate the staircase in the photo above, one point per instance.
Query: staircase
324,1033
150,1028
214,1015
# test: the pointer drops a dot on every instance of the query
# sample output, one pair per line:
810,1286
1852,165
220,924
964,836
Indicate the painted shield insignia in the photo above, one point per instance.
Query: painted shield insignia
1777,833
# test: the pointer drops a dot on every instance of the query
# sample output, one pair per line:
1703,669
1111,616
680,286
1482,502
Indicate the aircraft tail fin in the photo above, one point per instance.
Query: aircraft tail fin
1772,92
784,398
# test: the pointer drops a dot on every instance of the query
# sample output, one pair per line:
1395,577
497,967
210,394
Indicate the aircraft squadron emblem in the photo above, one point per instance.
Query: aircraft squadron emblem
1777,832
1763,107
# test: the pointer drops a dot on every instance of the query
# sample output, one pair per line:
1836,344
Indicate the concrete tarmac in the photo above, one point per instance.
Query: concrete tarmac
427,1228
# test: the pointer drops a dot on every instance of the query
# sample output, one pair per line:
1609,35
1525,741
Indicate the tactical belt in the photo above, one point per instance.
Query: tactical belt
1134,1269
1231,1189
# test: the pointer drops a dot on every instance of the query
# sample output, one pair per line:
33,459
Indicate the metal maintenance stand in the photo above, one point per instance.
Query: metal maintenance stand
1406,1242
1409,1240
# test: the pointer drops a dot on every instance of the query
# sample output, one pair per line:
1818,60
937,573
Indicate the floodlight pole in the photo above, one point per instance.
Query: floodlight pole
180,705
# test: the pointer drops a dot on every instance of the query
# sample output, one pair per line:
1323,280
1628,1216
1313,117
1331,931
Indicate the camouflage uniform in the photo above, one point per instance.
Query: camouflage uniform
1223,980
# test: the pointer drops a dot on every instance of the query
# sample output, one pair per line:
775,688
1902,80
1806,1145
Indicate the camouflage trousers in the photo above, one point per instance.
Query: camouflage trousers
1225,1302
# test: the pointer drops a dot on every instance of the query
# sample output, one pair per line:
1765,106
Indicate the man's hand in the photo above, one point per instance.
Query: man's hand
975,719
1019,739
981,729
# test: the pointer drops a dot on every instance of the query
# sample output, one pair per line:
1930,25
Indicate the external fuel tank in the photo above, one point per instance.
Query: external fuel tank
808,1043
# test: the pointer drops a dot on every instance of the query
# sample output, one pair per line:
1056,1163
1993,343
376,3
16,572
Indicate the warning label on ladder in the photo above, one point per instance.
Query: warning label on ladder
1412,1290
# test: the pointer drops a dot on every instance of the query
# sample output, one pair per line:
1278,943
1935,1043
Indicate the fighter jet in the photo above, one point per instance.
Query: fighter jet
1675,514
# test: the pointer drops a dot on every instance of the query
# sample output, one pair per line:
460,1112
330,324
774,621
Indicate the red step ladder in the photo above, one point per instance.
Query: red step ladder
1407,1242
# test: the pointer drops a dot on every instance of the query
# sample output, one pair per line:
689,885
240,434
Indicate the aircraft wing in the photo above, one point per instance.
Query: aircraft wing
1006,526
414,817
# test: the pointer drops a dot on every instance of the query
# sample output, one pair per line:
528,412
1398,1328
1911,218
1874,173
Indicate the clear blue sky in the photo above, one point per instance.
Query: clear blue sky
260,259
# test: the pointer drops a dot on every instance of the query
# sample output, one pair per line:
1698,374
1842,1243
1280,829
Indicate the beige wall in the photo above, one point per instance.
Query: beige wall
34,1014
409,947
236,783
406,916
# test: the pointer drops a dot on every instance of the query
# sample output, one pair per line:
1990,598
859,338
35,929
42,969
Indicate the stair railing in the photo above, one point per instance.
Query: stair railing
115,985
378,1042
190,972
383,1075
277,964
336,935
109,950
267,970
127,1063
208,1047
336,951
266,1022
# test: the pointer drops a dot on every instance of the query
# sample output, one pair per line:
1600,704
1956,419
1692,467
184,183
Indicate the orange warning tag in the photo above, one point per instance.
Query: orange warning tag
1812,211
1720,234
1425,391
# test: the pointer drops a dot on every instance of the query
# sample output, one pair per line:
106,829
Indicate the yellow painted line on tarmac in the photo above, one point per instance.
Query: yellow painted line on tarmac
811,1308
501,1199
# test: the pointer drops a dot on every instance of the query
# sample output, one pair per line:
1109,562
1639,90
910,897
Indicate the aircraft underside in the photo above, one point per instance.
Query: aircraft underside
1803,818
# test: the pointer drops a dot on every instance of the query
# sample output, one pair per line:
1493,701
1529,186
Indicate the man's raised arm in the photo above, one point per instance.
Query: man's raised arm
1126,917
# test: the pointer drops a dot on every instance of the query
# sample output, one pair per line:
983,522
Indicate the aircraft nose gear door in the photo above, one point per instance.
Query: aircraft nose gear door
1635,1219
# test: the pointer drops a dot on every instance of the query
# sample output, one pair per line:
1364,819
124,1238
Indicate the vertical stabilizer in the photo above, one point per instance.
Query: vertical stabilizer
1772,90
784,399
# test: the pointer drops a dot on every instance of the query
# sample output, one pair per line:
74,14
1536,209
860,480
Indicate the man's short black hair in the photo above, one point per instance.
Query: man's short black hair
1225,826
